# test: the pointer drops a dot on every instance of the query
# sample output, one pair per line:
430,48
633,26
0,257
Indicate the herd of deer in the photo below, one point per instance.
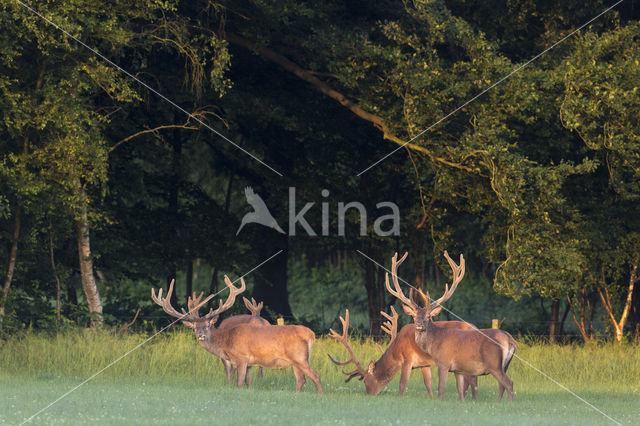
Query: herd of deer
243,341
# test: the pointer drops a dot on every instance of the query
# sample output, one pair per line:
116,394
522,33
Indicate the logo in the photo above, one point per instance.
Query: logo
260,213
262,216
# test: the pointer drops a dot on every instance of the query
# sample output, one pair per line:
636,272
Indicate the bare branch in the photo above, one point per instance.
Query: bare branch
154,130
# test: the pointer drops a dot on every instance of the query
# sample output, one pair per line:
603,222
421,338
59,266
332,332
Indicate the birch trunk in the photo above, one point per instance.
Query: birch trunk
86,265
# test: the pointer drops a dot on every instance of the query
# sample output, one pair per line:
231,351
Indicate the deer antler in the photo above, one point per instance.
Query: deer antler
391,326
458,274
233,292
193,304
359,371
192,315
252,306
397,290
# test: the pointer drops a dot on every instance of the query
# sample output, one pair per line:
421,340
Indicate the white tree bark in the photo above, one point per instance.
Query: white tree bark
86,264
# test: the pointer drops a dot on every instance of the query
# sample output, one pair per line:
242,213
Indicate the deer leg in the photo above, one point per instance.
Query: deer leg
260,373
228,369
460,385
242,372
404,376
311,374
300,380
473,382
442,380
248,377
315,378
503,381
426,375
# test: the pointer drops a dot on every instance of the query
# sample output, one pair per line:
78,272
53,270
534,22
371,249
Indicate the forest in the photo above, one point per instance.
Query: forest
135,140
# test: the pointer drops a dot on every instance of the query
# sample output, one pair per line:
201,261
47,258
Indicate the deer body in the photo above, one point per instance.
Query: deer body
274,347
230,322
403,354
246,344
464,352
468,352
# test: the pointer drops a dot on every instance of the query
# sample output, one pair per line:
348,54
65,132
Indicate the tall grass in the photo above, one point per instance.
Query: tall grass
176,355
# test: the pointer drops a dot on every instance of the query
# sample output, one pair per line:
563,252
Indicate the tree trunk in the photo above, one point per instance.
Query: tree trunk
55,273
173,214
13,256
213,286
72,294
418,250
584,318
375,297
562,321
189,280
270,284
618,326
86,262
553,320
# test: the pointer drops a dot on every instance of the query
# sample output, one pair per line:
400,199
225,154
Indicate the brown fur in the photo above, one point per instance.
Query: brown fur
467,352
231,322
273,347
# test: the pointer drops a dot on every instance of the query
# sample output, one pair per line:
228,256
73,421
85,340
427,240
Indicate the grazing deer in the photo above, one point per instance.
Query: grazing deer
391,328
402,355
474,352
246,345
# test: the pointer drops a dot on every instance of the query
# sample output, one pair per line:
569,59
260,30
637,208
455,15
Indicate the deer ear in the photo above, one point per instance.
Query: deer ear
213,320
189,324
409,310
370,369
435,311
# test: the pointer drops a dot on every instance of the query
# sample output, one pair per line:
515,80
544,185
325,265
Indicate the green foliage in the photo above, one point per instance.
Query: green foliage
535,180
319,294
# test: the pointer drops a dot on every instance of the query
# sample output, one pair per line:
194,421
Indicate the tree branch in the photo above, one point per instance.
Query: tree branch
155,129
324,88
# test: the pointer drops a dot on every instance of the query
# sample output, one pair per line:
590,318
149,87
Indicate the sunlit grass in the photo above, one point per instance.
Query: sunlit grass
171,379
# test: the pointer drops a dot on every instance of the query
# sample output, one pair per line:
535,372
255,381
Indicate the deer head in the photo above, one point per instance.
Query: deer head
201,325
371,382
423,315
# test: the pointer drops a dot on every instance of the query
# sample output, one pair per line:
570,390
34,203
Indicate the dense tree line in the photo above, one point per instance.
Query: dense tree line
107,187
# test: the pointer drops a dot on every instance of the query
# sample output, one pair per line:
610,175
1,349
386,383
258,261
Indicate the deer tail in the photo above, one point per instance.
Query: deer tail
508,351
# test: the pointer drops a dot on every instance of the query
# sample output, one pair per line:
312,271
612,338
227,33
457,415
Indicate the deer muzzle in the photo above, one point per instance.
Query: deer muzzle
420,328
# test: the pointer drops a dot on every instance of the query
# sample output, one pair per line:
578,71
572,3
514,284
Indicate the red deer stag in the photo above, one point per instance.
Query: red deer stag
402,355
246,345
202,325
464,352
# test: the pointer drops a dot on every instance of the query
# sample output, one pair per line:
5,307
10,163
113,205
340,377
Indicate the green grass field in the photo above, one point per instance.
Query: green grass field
171,380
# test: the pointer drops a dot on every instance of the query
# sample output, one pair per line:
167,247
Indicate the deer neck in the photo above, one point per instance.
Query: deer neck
383,371
214,342
426,338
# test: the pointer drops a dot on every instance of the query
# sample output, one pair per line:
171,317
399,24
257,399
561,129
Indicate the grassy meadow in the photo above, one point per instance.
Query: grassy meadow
172,380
